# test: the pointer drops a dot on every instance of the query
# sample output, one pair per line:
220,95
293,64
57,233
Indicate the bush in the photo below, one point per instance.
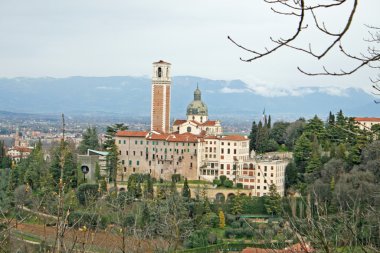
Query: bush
79,219
222,179
239,185
230,218
212,238
217,182
229,233
228,183
248,232
213,220
239,232
87,193
235,224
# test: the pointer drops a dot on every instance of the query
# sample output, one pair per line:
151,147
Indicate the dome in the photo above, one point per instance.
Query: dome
197,107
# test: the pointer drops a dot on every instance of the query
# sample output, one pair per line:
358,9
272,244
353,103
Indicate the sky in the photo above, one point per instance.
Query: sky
121,37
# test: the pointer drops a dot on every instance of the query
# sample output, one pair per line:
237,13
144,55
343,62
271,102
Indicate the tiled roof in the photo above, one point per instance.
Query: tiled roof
179,122
209,123
162,62
234,138
23,149
186,137
368,119
126,133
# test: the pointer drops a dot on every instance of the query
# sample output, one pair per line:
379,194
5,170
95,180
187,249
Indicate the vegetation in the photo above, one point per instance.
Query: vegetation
335,172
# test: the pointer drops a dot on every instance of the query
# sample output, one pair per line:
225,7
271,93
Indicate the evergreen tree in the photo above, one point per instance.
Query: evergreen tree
253,136
186,193
262,138
237,204
222,220
269,123
272,201
110,146
90,140
63,156
302,152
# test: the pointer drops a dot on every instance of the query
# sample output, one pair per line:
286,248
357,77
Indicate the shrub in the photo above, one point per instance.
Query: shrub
229,233
239,185
248,232
228,183
79,219
222,179
217,182
235,224
87,193
212,238
230,218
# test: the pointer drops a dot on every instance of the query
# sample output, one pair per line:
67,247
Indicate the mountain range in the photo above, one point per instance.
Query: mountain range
131,96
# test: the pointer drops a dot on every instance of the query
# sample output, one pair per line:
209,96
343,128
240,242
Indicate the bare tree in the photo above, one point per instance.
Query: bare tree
302,10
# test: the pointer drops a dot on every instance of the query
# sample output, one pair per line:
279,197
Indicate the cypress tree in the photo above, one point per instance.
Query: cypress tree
186,193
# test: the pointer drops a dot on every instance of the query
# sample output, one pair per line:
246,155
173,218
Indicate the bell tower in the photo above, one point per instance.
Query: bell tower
160,109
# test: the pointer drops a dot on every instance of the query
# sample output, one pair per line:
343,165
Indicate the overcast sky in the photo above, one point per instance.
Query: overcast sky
122,37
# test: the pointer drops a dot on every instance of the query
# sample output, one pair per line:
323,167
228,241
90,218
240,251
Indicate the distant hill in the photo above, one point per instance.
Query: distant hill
130,96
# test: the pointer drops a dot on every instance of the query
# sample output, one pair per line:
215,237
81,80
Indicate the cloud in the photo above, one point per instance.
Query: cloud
107,88
232,90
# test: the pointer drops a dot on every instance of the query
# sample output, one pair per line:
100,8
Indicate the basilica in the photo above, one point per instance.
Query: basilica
195,147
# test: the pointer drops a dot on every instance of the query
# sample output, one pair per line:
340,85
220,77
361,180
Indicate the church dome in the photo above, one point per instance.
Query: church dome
197,107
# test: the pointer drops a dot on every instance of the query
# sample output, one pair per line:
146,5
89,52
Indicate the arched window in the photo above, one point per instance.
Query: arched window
159,72
193,117
188,129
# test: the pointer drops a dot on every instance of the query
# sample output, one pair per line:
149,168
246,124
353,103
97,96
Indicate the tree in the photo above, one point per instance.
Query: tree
112,157
222,220
90,140
252,136
278,132
273,201
302,152
304,11
186,193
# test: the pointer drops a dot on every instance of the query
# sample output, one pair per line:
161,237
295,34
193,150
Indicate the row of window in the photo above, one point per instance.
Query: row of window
155,143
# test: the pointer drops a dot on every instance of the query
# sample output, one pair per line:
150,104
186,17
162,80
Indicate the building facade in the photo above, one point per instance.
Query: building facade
194,147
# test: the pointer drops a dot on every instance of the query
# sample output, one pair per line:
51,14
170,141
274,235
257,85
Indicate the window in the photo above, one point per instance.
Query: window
222,150
141,153
122,161
159,72
234,151
137,163
258,187
136,142
134,152
222,166
130,163
191,165
124,142
125,169
141,142
228,151
119,141
188,129
265,187
119,152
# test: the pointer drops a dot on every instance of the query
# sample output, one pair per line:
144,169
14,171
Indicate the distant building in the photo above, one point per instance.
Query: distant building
92,159
18,153
195,147
366,123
